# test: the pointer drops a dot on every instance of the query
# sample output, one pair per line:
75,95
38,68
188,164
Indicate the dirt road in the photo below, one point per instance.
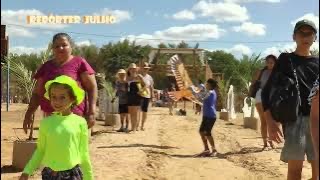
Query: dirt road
165,150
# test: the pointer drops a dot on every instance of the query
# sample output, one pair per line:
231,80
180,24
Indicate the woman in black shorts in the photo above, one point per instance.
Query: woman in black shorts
134,99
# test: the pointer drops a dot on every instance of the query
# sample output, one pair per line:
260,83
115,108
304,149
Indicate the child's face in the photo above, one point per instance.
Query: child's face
60,98
304,37
208,87
122,76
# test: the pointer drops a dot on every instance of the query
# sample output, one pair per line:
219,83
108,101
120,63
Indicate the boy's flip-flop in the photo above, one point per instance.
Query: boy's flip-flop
203,154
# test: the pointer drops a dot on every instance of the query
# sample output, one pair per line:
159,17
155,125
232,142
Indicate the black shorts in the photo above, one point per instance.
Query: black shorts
134,100
123,108
207,125
145,104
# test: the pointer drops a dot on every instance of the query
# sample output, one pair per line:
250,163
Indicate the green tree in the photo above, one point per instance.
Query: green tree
120,55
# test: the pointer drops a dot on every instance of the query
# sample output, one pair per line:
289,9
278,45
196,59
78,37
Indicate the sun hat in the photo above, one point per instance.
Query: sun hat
121,71
63,79
146,65
305,22
132,66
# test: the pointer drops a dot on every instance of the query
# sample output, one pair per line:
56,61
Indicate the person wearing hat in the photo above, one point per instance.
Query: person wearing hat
122,94
62,146
136,84
146,97
298,141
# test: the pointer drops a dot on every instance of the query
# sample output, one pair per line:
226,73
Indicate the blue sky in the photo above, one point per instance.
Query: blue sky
237,26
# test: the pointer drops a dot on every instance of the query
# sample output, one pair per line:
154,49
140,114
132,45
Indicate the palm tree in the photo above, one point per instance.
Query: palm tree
24,75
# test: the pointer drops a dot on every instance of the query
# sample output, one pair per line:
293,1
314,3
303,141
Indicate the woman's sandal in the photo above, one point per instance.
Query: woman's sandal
214,153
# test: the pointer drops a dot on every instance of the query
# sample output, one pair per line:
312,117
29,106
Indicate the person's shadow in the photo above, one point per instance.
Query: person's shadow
246,150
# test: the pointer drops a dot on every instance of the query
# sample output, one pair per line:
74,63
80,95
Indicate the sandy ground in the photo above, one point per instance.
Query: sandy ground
164,151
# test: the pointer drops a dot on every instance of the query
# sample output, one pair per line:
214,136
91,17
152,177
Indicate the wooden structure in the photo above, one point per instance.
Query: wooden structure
4,44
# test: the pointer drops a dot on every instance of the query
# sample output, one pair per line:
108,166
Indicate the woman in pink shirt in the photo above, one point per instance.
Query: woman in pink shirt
64,63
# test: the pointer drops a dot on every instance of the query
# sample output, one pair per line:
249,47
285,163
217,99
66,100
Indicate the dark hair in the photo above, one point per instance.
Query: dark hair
70,91
213,83
272,57
62,35
200,81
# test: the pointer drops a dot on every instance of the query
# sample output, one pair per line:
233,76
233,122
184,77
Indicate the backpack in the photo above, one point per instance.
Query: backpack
284,97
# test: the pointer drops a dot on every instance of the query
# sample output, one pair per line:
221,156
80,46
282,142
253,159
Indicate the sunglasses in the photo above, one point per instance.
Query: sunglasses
305,34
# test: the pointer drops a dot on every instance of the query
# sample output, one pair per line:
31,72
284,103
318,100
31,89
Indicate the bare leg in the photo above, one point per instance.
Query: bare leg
264,127
314,126
144,118
211,141
204,141
294,169
133,116
138,118
127,120
122,117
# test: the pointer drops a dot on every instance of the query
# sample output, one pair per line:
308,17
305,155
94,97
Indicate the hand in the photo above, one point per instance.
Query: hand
274,130
24,177
112,101
91,120
27,122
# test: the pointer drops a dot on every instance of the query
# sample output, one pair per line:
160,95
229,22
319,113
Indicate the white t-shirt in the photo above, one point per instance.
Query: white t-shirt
148,80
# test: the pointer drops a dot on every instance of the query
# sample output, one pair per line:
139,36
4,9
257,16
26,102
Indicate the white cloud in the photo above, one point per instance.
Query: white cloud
289,47
237,50
119,15
251,29
26,50
188,32
184,15
222,12
17,22
250,1
309,16
83,43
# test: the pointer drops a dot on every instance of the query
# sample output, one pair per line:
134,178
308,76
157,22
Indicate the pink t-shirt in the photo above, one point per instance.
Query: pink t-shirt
74,68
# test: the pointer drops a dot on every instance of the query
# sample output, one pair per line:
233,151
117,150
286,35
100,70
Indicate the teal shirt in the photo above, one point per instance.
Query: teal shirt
62,144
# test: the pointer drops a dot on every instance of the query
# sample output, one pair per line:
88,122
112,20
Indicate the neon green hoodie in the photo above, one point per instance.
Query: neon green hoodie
62,144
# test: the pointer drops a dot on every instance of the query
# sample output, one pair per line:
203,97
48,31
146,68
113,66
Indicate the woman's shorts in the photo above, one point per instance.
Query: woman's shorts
207,125
258,96
134,100
123,108
298,142
145,104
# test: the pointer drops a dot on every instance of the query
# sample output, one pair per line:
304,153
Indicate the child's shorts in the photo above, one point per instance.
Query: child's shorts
74,173
123,108
298,142
207,125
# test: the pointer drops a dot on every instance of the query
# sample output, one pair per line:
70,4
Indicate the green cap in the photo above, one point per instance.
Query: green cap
77,91
305,22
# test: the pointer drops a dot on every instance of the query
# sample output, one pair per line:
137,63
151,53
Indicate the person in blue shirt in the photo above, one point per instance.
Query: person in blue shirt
209,99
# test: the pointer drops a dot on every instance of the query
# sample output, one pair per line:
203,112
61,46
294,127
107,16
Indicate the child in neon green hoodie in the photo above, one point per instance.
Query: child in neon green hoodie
62,146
